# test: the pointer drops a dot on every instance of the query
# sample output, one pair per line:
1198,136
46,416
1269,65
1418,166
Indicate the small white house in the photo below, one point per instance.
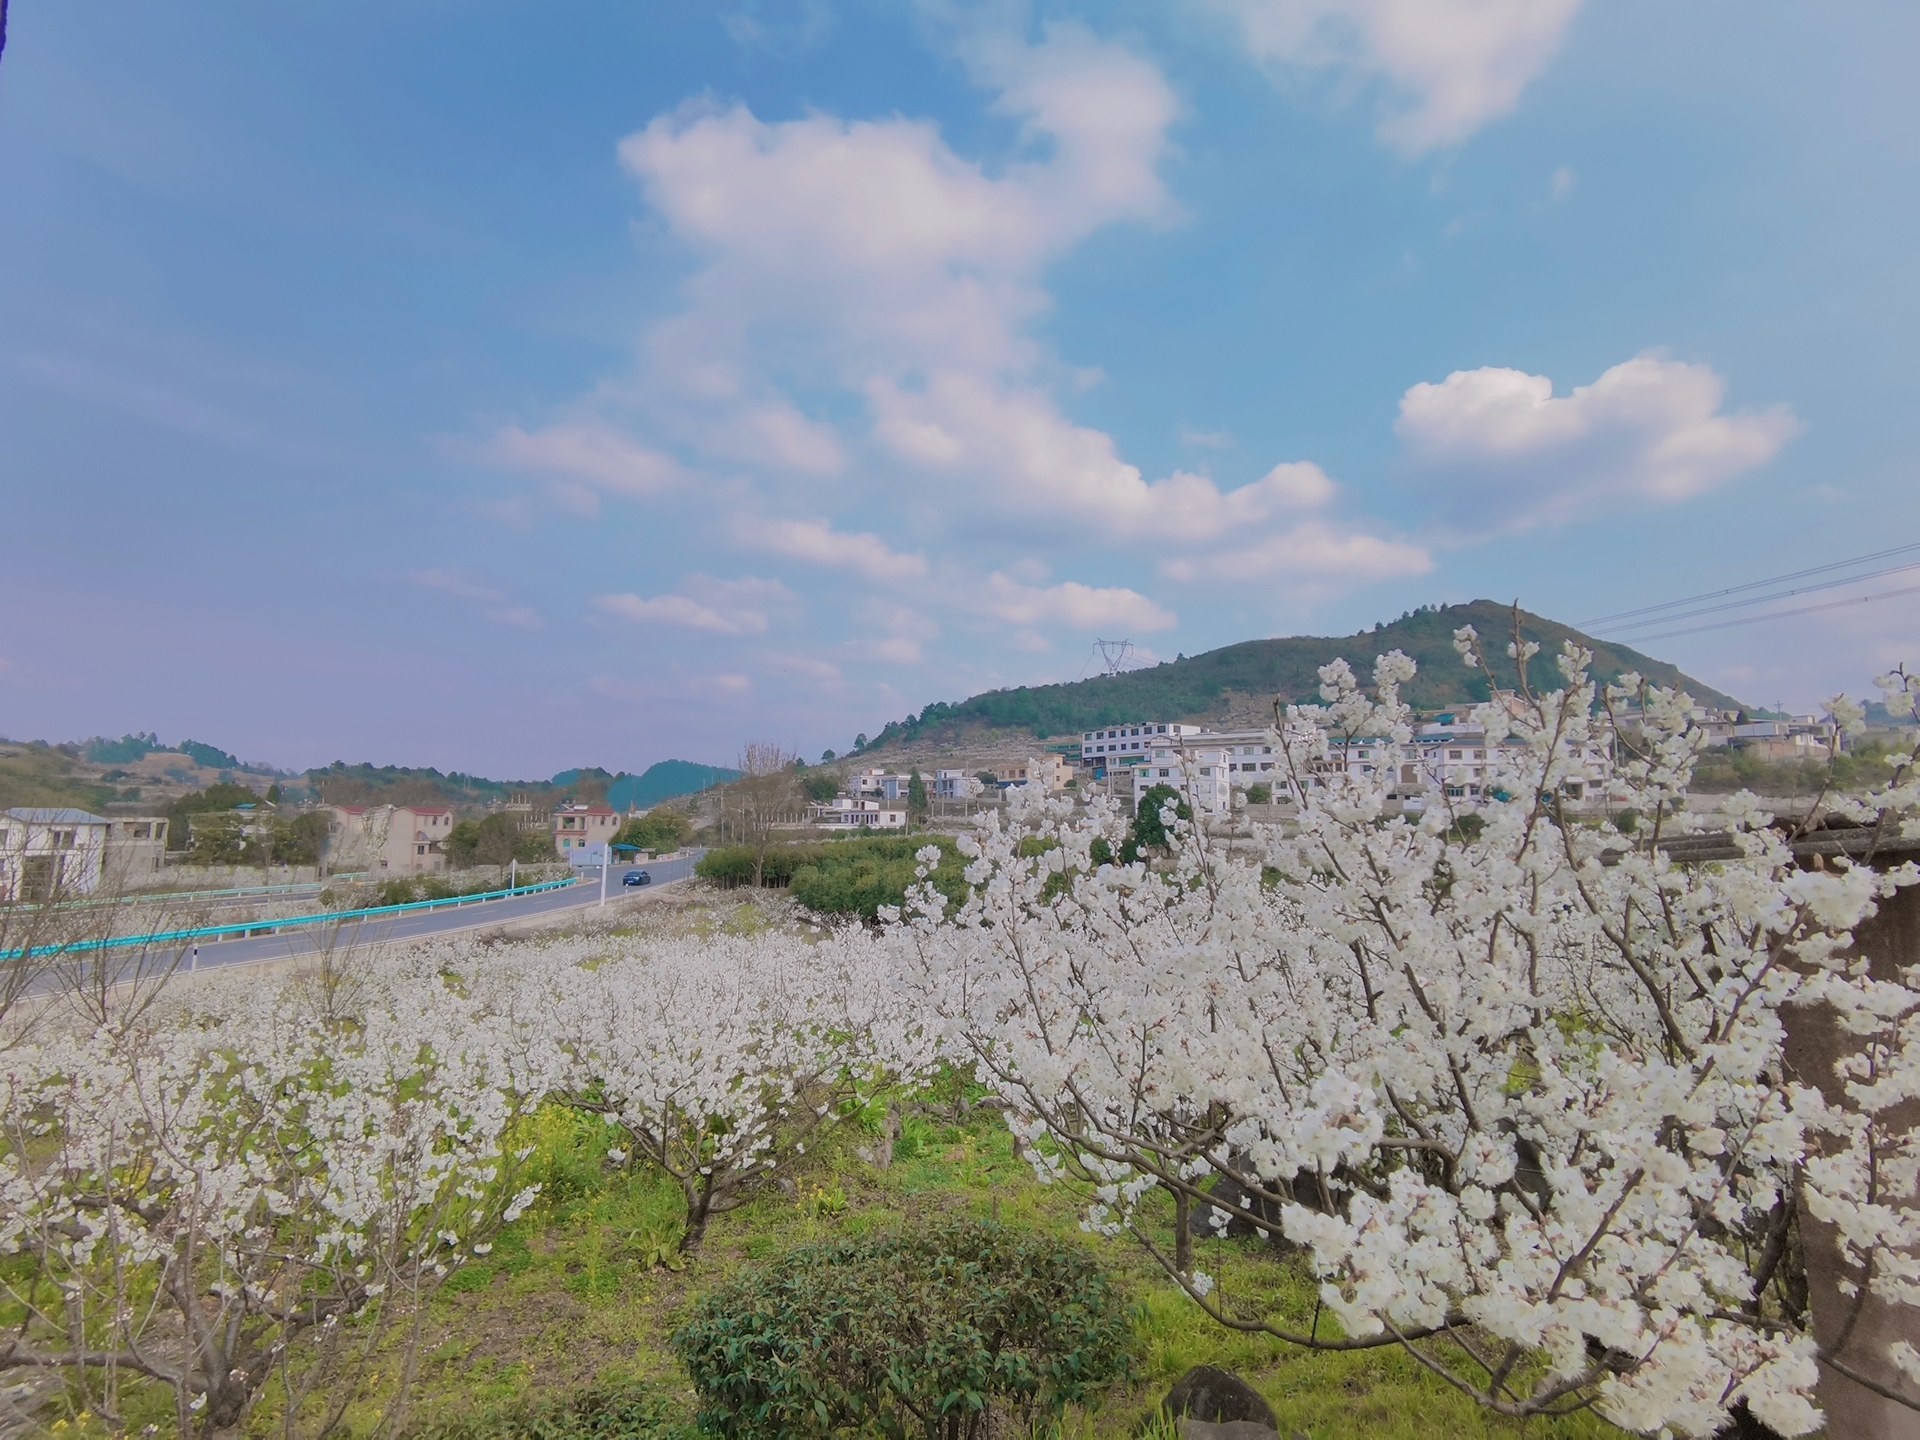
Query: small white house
49,853
954,785
858,814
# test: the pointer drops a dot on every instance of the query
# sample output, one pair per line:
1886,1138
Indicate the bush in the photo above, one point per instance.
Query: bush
854,876
857,877
909,1333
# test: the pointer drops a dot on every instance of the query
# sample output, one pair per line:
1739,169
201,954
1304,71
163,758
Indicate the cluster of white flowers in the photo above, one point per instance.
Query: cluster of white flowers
1519,1084
209,1176
717,1055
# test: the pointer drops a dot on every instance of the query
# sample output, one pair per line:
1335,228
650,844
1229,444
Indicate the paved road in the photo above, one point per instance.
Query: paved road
420,924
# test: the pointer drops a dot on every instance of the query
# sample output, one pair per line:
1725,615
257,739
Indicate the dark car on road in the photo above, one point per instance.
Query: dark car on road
636,877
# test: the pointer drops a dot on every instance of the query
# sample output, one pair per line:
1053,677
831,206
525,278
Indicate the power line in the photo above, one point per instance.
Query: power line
1783,614
1776,595
1752,585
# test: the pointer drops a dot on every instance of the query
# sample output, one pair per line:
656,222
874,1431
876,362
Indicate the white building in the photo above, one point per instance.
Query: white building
1197,770
876,783
48,853
1208,766
854,813
954,785
1455,760
1117,746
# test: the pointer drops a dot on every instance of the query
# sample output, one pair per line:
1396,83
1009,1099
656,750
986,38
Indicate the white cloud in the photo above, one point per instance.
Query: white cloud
723,607
1016,441
1313,552
1513,455
591,452
1562,183
872,259
465,587
1077,606
1453,65
863,553
903,632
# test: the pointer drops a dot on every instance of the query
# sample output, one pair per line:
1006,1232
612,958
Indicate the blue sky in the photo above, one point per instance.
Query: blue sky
507,387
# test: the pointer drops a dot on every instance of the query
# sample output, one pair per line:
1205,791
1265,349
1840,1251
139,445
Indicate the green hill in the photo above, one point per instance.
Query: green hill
342,784
663,780
1207,687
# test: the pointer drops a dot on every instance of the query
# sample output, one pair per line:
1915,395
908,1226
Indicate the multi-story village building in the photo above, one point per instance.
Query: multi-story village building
1050,771
388,839
580,828
954,785
48,852
1116,746
1207,766
136,848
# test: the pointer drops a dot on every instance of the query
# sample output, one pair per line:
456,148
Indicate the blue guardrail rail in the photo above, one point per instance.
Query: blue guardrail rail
271,927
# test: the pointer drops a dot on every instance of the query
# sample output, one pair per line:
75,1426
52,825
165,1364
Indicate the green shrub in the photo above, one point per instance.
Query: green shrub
911,1333
857,877
398,891
854,876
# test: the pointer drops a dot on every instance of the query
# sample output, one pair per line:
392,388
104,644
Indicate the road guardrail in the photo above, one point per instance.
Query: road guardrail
272,927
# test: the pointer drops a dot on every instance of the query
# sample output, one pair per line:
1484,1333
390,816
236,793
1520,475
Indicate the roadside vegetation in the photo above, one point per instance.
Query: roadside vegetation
853,876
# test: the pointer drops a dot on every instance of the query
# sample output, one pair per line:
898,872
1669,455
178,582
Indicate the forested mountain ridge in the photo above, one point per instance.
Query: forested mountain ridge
1242,677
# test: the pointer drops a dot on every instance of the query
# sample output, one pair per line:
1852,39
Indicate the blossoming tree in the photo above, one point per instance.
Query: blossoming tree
1521,1087
239,1185
717,1056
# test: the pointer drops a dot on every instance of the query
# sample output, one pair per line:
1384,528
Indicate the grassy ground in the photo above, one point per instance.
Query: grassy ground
566,1301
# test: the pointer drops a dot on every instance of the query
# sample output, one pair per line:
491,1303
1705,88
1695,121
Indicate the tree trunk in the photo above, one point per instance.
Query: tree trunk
1183,1232
1815,1043
699,1209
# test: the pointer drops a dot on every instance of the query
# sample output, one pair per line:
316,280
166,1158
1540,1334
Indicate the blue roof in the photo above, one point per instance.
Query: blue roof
40,815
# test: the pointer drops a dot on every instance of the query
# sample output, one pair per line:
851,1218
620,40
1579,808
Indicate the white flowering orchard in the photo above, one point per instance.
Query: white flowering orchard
204,1181
1520,1085
718,1056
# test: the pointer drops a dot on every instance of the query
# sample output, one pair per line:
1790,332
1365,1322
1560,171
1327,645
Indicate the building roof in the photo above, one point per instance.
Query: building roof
64,815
